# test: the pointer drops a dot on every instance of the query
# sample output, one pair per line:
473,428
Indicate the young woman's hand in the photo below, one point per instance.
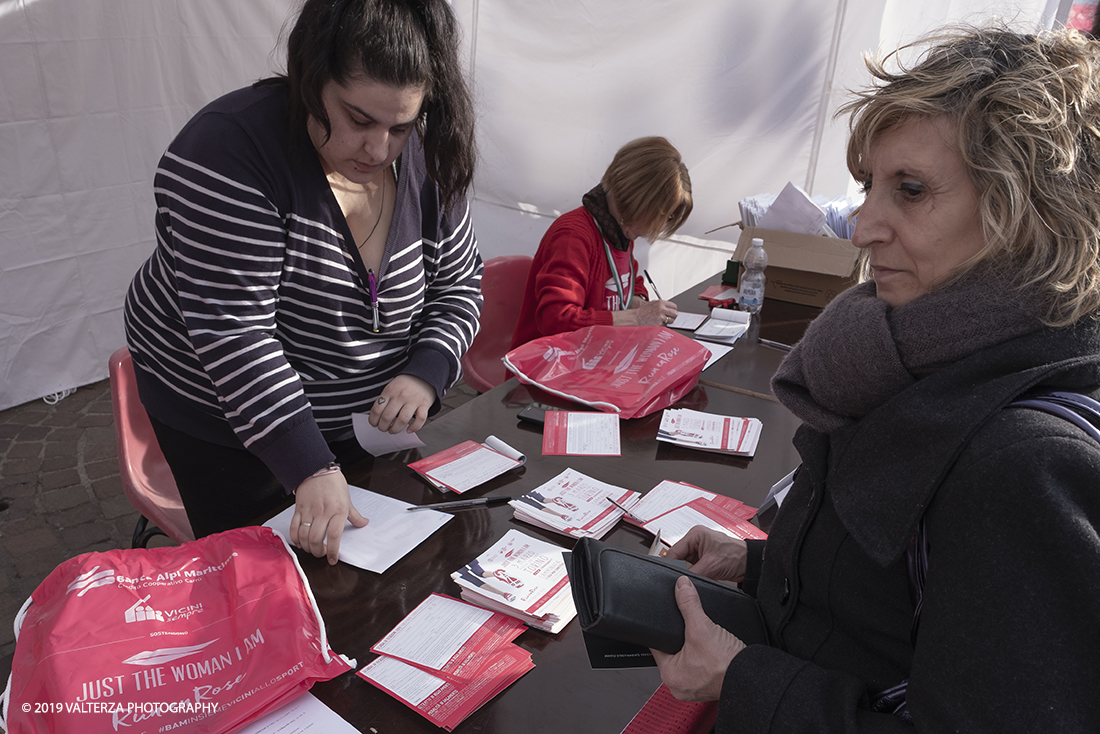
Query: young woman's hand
403,405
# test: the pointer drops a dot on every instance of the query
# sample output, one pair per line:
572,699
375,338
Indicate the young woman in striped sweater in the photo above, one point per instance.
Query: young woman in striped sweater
314,258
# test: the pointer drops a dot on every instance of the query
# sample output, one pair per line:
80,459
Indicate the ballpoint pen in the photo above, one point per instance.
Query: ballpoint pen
461,504
628,512
653,284
775,345
373,285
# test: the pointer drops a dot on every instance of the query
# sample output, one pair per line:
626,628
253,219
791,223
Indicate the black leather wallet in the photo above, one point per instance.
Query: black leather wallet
630,597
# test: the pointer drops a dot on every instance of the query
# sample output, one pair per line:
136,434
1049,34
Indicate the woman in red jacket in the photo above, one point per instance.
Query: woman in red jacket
645,192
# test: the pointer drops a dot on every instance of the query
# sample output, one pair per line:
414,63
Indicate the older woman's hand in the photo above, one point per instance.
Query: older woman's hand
322,507
403,405
647,313
712,554
697,671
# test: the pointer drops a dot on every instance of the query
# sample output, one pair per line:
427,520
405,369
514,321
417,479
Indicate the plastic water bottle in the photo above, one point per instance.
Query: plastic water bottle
752,282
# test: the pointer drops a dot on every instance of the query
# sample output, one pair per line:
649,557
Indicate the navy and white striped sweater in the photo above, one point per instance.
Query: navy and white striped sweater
251,322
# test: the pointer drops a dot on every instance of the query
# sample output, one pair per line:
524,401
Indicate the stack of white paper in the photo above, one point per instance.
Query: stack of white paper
708,432
575,505
522,577
724,326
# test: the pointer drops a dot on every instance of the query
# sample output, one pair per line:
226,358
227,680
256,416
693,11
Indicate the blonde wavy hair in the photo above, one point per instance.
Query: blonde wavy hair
1027,108
650,183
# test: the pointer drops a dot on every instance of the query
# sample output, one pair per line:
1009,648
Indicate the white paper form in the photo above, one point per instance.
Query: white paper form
433,632
576,433
724,325
470,464
391,533
405,681
303,714
689,321
667,496
674,525
378,443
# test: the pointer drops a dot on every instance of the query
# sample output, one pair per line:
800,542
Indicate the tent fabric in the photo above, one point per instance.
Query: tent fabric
91,93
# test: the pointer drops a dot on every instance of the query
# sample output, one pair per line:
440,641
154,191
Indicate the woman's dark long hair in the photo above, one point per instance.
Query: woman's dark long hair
402,43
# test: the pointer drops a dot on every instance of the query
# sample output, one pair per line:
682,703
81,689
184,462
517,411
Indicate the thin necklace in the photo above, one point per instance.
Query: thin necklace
381,208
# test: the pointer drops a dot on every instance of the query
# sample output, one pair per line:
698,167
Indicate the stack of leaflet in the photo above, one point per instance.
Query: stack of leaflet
522,577
670,509
575,505
721,434
447,658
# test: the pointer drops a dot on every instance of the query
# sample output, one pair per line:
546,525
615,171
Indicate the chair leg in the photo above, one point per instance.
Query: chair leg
144,531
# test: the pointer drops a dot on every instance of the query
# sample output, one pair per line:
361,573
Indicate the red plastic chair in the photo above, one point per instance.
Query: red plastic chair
146,478
502,286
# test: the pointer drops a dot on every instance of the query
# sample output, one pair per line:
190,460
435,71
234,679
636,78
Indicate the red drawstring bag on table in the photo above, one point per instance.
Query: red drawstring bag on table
203,637
629,370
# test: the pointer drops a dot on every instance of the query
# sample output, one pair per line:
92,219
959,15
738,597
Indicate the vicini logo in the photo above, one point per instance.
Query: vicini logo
91,580
141,612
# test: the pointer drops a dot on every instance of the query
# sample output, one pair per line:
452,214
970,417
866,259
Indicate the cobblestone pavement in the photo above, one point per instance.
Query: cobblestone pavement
60,491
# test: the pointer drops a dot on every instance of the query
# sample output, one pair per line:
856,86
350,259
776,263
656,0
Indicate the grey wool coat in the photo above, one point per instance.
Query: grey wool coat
1009,637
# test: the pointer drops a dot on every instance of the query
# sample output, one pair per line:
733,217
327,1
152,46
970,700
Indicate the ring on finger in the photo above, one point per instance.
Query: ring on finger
306,524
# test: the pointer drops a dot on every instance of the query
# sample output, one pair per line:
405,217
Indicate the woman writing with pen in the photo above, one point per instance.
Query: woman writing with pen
584,273
314,259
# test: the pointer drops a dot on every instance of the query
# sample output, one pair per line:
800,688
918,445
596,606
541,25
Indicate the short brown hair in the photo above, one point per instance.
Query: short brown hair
1027,107
649,183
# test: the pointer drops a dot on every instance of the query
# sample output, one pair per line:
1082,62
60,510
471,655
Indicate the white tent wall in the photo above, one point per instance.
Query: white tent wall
92,91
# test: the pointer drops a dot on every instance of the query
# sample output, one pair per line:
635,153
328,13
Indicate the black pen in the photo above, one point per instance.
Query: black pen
775,345
460,504
653,284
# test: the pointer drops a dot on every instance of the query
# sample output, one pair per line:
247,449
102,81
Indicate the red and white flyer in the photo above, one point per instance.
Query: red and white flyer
708,432
523,577
469,464
578,433
574,504
449,637
675,524
444,702
667,495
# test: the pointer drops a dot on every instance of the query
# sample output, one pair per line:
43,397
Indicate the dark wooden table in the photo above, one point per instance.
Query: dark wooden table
751,364
562,693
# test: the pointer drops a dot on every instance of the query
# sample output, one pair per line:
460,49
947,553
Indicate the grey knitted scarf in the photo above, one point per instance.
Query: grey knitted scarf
860,352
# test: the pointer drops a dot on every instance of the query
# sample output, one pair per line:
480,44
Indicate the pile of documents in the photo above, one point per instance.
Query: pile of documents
522,577
724,326
468,465
793,210
708,432
670,509
447,658
575,505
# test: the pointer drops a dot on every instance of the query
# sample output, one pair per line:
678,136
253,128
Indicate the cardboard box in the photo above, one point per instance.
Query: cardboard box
802,268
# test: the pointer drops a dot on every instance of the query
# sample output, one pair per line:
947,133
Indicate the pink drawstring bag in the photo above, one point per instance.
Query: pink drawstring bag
629,370
203,637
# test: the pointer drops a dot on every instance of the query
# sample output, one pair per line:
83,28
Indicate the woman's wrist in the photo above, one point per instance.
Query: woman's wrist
330,468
